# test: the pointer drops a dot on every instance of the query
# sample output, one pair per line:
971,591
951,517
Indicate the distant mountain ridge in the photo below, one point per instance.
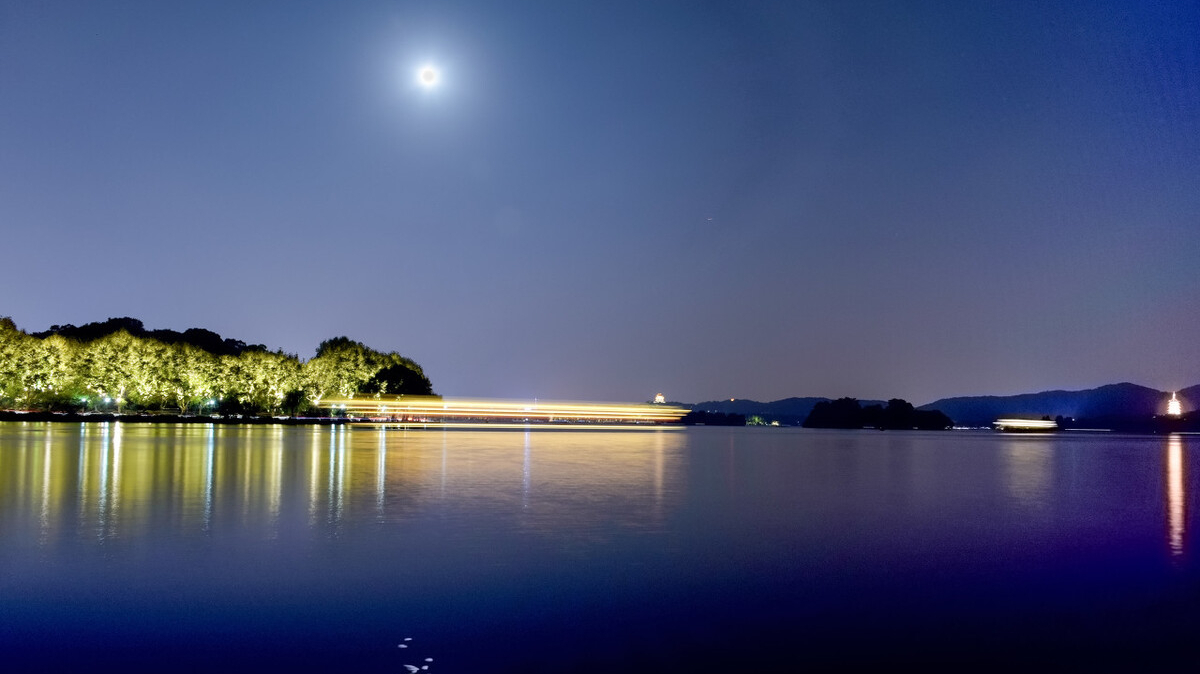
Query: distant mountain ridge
1113,401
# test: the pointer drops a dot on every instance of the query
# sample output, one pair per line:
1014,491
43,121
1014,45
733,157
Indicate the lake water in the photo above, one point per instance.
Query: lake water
129,547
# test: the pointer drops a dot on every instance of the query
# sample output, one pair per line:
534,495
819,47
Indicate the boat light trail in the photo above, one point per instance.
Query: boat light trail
482,412
1026,425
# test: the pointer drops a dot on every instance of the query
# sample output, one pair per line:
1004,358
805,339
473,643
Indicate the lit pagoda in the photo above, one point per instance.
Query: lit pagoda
1174,407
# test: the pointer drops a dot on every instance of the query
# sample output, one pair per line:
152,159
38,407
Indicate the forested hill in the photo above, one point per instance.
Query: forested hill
1104,403
118,365
1114,401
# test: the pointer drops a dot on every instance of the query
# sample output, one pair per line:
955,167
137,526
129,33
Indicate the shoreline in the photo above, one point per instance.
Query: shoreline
106,417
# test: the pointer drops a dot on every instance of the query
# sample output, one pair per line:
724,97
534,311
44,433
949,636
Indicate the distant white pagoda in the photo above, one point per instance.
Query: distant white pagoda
1174,407
660,399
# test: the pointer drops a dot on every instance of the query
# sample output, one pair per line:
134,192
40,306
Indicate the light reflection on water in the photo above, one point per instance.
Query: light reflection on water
122,481
602,544
1029,468
1176,495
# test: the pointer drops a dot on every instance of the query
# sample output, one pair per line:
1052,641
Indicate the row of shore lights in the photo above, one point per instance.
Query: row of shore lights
106,400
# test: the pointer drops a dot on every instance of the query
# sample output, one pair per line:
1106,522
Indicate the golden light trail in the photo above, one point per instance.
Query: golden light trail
433,412
516,426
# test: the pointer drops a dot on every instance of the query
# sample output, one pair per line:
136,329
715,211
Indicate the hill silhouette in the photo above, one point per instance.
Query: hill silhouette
1109,405
1114,401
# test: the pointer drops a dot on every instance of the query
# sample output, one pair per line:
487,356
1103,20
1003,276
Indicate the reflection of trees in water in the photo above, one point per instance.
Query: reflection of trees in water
113,481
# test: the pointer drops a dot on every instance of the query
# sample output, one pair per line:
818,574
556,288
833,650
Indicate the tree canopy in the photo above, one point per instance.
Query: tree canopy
118,365
197,337
898,415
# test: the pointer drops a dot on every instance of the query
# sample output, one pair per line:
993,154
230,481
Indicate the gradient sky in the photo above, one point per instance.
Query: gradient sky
613,199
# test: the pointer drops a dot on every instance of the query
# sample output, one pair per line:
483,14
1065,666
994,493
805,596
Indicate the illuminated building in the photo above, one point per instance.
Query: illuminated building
660,399
1174,407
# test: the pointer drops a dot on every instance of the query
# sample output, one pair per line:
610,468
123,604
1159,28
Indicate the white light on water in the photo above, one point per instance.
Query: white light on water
1175,494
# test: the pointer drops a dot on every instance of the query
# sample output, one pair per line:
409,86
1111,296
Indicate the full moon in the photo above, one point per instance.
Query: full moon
427,76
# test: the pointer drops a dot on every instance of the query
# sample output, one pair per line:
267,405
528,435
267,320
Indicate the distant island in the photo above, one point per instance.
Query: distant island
119,366
848,413
897,415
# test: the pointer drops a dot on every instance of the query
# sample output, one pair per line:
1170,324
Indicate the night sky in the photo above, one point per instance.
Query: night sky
613,199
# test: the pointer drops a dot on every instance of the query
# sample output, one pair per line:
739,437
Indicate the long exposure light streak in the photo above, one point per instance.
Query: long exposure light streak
515,426
1026,425
433,412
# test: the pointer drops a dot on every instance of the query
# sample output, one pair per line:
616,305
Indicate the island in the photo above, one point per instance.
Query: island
897,415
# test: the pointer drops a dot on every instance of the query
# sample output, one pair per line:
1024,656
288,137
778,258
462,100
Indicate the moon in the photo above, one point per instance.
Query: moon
428,76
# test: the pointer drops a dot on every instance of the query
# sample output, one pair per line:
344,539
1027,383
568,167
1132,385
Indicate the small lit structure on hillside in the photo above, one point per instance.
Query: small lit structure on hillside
1174,406
660,399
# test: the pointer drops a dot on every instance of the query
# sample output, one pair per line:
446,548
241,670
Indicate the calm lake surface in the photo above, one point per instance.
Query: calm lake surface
130,547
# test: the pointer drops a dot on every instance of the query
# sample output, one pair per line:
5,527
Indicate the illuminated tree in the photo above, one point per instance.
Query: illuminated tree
53,379
339,368
119,364
110,368
261,380
344,368
397,378
192,376
17,364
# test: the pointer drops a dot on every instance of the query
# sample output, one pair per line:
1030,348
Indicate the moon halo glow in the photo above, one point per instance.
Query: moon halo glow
428,76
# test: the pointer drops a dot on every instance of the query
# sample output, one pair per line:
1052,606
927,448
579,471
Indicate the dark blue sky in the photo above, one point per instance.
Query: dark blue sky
609,200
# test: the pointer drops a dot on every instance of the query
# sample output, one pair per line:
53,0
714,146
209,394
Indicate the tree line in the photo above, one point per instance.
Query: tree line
898,415
118,365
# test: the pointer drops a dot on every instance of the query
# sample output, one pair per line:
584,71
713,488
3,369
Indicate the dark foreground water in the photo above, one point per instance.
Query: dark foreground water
217,549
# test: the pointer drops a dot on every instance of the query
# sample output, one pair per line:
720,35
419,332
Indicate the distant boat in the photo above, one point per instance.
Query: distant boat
1026,425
